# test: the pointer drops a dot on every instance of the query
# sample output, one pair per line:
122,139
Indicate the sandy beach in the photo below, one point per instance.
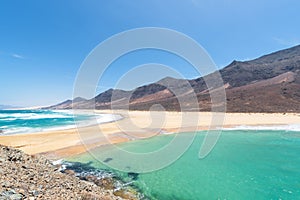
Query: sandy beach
137,125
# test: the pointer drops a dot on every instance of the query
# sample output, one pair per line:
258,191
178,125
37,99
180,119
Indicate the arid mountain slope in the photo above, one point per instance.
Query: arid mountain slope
270,83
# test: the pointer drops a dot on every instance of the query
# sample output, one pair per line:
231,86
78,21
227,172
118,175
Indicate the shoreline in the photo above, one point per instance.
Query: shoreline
136,125
34,177
95,119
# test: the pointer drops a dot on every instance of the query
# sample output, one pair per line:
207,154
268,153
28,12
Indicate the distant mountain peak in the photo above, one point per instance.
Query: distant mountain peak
78,99
234,62
270,83
4,107
167,78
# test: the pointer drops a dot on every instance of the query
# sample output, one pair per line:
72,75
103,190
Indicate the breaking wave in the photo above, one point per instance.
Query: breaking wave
31,121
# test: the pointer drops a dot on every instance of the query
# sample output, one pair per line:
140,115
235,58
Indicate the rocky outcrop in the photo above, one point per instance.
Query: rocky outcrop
34,177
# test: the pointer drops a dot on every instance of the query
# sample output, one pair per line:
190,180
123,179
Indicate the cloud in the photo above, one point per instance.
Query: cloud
18,56
287,42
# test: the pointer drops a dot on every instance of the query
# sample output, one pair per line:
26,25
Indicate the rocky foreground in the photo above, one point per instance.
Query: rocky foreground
34,177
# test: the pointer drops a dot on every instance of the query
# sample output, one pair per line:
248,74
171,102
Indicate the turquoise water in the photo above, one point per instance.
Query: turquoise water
28,121
243,165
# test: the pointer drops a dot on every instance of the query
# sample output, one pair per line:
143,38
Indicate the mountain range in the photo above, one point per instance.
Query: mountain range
270,83
3,107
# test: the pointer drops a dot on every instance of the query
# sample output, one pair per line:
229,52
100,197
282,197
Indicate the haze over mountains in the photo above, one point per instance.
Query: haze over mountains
270,83
3,107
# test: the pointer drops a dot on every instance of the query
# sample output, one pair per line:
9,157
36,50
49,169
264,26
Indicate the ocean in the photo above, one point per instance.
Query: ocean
30,121
257,163
245,164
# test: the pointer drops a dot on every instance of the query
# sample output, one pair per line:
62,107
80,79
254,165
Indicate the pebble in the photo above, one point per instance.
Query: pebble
34,178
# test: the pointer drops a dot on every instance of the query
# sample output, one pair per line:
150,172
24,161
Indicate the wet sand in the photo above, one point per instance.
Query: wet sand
137,125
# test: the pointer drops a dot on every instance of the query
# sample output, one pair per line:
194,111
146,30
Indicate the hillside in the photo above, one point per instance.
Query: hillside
270,83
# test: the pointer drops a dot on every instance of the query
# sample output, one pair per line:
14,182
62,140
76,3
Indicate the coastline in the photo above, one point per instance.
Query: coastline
135,125
35,177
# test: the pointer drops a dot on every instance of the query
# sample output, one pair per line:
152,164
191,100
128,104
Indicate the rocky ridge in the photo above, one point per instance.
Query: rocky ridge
270,83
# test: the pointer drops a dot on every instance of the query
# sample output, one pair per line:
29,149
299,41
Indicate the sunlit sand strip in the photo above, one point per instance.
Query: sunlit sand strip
135,125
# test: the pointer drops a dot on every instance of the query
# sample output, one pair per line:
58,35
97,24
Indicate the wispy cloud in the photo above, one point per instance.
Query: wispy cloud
18,56
287,42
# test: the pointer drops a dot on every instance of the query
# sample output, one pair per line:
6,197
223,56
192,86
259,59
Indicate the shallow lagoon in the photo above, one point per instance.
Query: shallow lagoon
243,165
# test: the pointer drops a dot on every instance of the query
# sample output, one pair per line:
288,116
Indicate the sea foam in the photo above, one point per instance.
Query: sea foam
20,122
290,127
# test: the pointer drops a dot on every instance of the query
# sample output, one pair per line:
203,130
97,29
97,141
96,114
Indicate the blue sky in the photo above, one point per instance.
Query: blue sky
43,43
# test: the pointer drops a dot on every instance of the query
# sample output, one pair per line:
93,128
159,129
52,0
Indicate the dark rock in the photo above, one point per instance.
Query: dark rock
107,183
133,175
70,172
107,160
